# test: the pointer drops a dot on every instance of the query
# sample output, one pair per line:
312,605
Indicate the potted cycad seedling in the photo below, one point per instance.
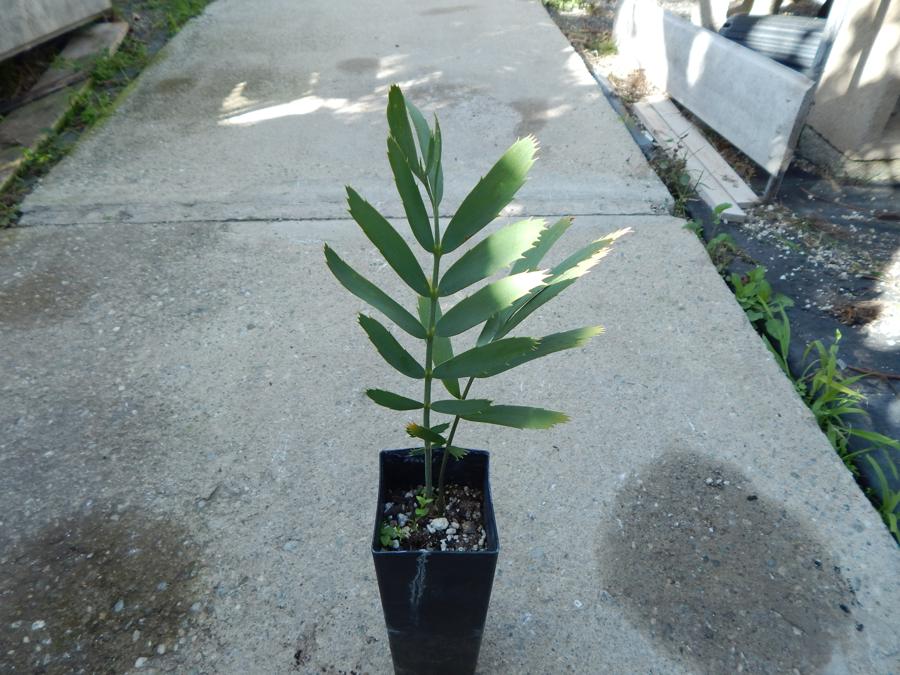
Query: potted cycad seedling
435,540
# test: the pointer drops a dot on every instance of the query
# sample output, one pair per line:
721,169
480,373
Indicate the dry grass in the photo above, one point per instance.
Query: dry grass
633,87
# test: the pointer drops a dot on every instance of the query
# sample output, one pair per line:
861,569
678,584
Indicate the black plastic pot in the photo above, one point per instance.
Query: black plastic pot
435,602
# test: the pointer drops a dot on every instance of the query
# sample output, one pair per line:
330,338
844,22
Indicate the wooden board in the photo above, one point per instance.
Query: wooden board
27,23
697,145
85,46
709,188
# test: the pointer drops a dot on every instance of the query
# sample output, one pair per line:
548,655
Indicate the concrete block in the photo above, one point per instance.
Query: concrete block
710,13
814,148
754,102
27,23
862,74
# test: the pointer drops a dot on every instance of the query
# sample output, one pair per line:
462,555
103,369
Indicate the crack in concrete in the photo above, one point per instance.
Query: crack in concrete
293,219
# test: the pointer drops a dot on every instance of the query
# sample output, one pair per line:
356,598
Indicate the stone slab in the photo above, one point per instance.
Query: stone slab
267,114
755,103
27,23
201,386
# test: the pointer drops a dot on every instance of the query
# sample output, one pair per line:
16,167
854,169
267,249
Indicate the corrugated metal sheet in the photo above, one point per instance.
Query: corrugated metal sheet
790,40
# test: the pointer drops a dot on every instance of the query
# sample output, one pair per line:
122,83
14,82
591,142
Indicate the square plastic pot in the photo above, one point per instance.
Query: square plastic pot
435,602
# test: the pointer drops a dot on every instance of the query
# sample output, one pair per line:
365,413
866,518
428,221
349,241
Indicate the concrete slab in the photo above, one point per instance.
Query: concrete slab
27,23
184,412
267,112
700,69
202,384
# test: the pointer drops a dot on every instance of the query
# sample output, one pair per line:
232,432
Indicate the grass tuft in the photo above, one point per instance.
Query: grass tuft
602,46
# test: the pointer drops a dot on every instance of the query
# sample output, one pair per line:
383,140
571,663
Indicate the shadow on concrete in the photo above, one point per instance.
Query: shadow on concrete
720,576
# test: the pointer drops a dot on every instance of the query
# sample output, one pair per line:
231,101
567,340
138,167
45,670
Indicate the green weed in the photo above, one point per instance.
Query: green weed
696,226
9,204
832,399
566,5
766,311
672,169
178,12
130,59
389,532
722,249
603,46
888,500
755,296
829,394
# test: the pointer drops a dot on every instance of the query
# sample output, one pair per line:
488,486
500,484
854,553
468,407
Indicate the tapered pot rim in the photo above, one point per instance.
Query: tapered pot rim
490,524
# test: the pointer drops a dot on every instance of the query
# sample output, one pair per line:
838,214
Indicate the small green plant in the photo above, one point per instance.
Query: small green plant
177,12
829,394
832,399
91,107
567,5
671,167
496,308
722,249
122,65
887,498
602,46
424,506
696,226
389,533
766,310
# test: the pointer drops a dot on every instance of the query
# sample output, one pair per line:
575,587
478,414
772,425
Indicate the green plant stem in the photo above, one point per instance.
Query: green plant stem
441,502
429,344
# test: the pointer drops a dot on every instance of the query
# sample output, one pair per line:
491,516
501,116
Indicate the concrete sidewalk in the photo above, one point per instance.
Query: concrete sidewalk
265,110
188,462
